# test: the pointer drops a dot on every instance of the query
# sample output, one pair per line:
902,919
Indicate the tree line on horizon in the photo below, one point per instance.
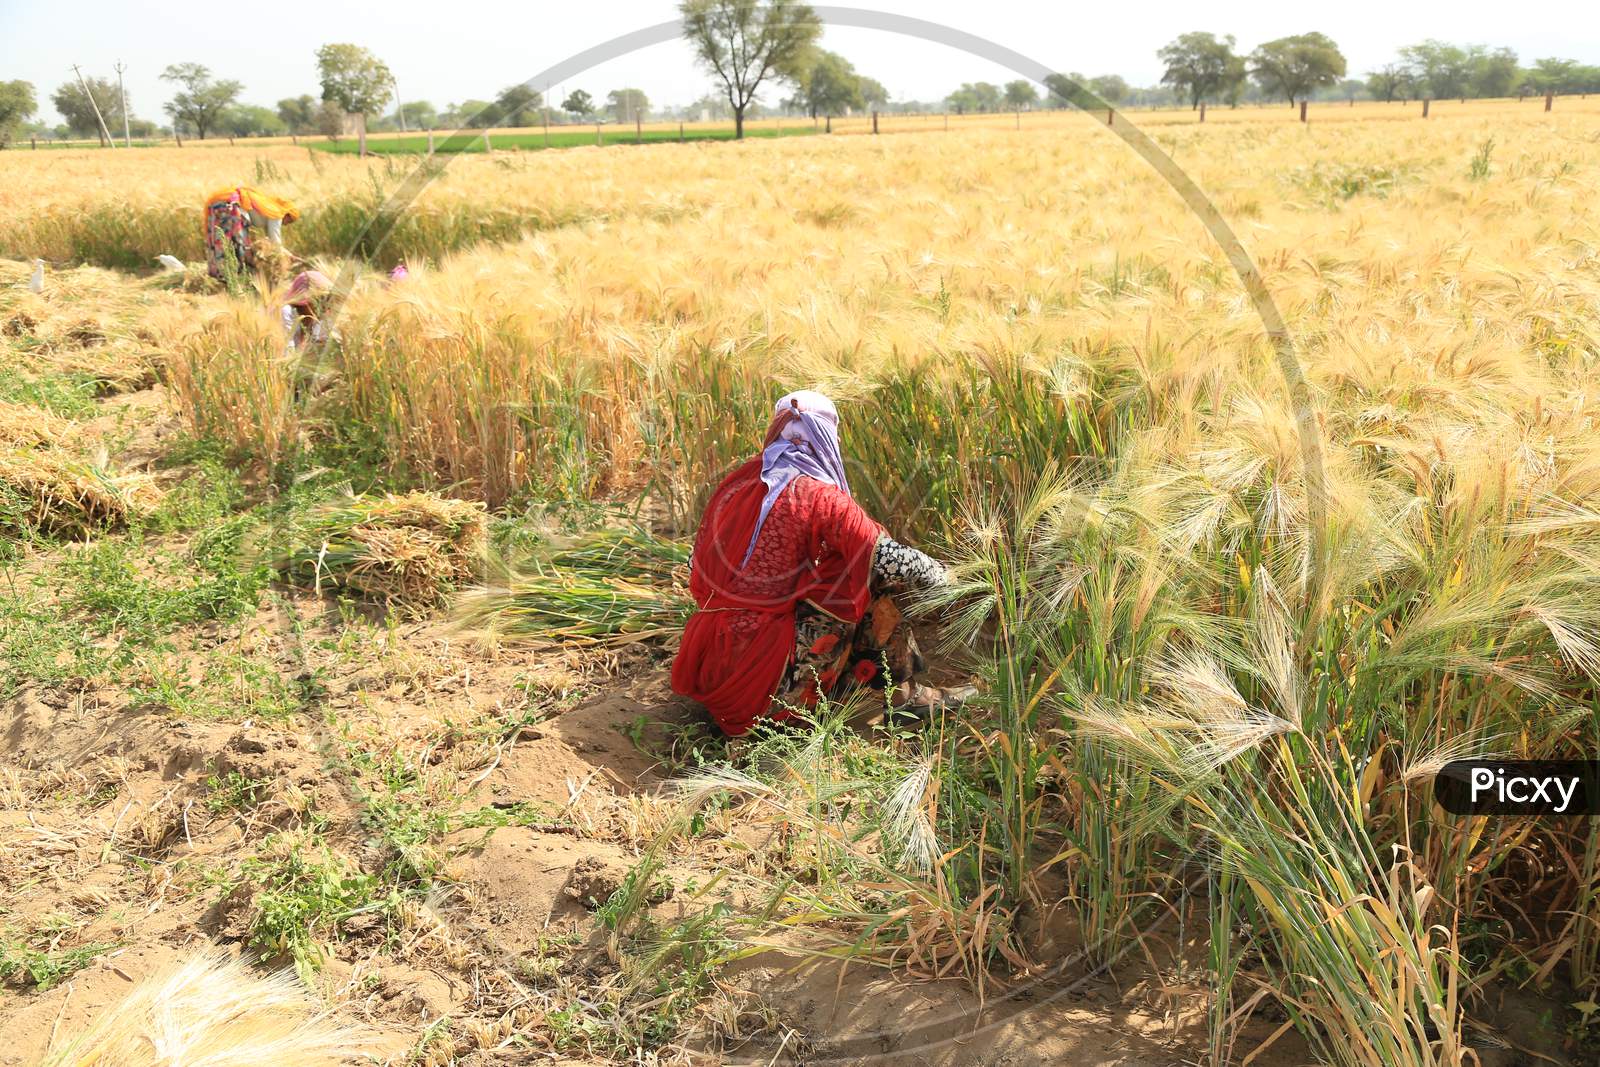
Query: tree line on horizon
1204,68
749,45
205,106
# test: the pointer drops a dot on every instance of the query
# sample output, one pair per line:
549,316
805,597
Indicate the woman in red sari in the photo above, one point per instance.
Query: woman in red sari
791,578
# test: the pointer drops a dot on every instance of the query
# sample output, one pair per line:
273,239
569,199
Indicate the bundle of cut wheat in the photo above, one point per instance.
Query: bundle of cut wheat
609,587
406,551
274,262
26,426
54,492
210,1012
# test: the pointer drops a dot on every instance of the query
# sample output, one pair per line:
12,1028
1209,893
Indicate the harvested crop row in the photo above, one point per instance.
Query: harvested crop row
608,587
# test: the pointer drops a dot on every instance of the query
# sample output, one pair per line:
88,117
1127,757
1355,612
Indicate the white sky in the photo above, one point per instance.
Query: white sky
447,52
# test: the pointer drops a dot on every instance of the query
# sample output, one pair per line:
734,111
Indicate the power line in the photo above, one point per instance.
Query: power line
105,134
127,137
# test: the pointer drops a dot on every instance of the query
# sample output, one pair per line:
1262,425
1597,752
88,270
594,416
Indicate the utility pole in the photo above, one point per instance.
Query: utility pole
127,137
399,108
105,134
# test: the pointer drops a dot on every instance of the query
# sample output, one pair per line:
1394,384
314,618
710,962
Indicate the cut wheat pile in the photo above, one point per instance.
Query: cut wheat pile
408,552
55,492
608,587
24,426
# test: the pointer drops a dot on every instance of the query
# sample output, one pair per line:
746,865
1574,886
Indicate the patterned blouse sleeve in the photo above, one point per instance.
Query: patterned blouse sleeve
903,566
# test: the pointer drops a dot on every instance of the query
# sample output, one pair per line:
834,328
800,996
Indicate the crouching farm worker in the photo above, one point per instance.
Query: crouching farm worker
303,307
230,214
793,581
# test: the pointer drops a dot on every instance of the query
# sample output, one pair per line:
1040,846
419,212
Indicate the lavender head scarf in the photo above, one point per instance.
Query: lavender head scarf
807,445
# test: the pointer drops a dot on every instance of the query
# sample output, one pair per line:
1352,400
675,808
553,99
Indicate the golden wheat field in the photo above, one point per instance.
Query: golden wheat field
354,660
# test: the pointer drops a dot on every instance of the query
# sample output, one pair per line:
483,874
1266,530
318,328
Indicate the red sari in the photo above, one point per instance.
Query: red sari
815,546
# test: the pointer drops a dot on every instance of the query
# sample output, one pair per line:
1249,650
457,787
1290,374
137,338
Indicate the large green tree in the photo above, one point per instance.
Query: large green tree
356,80
974,97
419,114
475,114
578,104
299,113
17,104
73,103
518,105
1295,66
1198,65
826,84
201,99
1021,94
330,120
746,43
1494,71
1387,82
873,94
1060,89
1110,87
1551,75
1440,69
1234,80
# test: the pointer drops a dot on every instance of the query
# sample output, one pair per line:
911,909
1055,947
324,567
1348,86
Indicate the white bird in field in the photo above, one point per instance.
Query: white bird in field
170,262
36,283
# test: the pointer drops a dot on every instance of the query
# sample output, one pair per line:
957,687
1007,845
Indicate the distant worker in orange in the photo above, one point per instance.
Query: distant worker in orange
230,215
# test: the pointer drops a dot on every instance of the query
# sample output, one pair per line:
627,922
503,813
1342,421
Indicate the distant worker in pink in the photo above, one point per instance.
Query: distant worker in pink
304,307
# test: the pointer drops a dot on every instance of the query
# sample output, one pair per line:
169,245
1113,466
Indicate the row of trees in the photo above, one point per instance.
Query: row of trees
518,105
353,82
975,97
1441,70
746,44
213,108
19,102
1021,95
749,44
1204,67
